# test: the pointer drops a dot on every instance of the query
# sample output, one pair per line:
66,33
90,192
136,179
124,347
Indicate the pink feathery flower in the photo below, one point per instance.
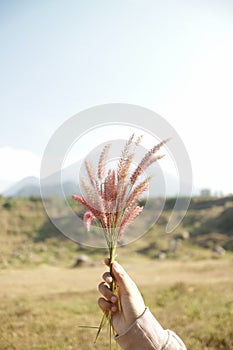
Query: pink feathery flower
88,218
129,218
101,165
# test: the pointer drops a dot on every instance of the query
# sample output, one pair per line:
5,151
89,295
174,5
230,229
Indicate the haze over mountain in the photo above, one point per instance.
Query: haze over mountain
29,186
165,185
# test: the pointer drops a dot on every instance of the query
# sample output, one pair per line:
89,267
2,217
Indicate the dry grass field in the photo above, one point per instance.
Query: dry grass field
42,308
44,299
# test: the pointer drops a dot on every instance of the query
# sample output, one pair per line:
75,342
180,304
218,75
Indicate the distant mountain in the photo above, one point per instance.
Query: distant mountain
66,182
27,187
30,186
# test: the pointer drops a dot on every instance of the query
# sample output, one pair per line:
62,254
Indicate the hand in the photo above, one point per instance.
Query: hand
132,304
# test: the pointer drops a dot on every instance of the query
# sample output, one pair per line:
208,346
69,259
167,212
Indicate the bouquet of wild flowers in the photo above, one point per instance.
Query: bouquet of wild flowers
112,197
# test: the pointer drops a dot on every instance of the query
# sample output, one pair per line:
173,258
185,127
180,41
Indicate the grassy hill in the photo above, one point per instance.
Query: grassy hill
28,238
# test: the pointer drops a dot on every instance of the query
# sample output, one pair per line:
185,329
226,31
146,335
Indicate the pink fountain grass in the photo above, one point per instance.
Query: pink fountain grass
112,196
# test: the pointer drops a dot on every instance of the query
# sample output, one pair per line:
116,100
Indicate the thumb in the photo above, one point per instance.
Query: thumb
124,281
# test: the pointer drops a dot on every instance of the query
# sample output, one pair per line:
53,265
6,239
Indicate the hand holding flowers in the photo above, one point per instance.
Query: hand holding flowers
112,202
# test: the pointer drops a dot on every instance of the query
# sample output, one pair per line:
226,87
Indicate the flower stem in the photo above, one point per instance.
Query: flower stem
112,253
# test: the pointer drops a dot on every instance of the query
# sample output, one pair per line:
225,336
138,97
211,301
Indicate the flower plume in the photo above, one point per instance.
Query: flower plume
102,160
112,196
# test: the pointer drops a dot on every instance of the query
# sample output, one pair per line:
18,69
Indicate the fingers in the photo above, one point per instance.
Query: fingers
107,261
132,303
107,293
107,277
125,282
119,273
109,302
107,305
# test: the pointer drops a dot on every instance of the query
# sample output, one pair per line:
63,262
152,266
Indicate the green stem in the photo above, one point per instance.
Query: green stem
112,253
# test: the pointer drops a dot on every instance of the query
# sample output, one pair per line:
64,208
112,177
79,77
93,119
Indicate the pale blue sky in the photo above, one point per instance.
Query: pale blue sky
174,56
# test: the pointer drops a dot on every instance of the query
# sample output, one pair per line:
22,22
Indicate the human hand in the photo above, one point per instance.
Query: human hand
131,301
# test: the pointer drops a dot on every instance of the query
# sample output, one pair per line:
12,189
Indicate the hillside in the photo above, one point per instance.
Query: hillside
28,238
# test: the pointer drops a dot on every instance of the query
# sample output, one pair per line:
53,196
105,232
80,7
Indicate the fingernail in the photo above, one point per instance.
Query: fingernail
109,279
113,308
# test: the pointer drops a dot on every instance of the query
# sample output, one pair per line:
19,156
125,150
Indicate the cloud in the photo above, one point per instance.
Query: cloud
17,164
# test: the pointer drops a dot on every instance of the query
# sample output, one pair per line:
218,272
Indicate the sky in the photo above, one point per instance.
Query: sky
60,57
